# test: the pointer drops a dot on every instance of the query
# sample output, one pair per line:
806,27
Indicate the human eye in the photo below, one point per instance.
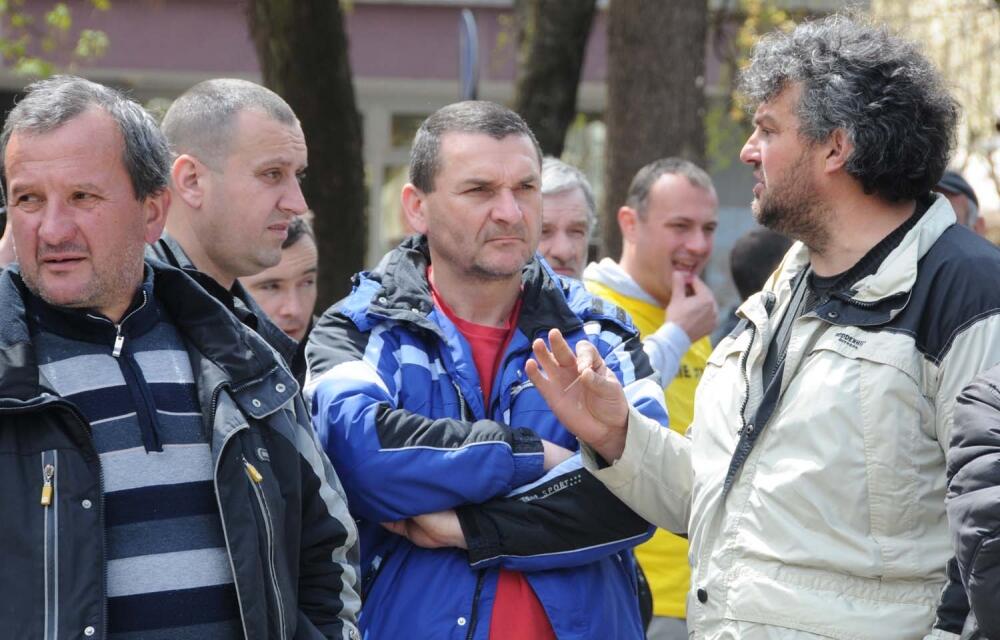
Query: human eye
273,175
27,202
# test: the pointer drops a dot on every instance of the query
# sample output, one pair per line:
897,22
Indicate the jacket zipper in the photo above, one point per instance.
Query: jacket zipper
222,513
746,378
215,475
255,481
377,563
462,407
75,413
50,545
474,616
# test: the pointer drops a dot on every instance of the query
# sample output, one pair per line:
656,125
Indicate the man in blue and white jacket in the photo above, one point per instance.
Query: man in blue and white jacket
462,479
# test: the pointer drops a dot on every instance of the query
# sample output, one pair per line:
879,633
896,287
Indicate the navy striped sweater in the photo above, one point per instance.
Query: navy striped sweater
168,571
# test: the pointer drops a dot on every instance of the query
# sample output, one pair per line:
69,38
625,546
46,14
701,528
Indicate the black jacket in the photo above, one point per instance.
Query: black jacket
974,497
238,300
292,544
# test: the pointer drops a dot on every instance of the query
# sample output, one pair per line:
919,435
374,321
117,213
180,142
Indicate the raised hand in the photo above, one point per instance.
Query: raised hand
582,392
696,313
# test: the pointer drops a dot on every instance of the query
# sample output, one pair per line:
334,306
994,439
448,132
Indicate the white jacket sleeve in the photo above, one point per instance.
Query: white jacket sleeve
665,348
653,476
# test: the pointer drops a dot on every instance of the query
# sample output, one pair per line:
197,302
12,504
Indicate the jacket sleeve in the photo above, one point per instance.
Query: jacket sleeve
665,347
973,500
328,597
396,463
974,349
568,518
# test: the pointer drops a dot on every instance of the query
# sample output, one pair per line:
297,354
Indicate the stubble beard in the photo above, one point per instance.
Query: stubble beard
793,209
105,287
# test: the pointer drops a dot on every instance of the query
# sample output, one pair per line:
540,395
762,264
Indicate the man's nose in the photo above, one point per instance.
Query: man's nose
506,208
57,225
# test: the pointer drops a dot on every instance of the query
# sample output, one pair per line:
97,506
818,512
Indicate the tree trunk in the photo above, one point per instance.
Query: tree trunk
656,95
552,39
303,55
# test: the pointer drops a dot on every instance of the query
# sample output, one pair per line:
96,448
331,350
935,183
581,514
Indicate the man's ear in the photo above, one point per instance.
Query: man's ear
154,212
187,178
628,221
414,203
838,151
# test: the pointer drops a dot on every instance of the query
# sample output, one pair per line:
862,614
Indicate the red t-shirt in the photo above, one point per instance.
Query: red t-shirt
517,613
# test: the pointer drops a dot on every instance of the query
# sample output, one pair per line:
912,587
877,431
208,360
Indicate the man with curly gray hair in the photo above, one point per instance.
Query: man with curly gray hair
811,482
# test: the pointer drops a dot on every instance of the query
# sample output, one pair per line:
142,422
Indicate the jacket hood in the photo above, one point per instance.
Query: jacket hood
609,273
242,356
397,289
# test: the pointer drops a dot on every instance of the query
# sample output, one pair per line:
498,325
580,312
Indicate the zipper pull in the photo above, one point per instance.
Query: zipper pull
119,343
48,473
252,472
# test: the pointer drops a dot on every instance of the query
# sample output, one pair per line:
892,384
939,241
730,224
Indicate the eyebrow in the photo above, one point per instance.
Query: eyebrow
279,160
758,120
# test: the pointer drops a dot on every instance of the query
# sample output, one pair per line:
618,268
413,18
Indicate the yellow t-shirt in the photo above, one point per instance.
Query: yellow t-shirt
664,557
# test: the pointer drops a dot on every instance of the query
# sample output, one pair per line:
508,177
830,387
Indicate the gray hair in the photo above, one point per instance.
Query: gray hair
49,104
559,177
200,122
645,178
875,86
471,116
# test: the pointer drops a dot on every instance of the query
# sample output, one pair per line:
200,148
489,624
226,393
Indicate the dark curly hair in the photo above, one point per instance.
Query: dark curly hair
877,87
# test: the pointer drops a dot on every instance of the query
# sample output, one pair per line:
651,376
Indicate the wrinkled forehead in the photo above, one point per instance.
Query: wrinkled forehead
566,207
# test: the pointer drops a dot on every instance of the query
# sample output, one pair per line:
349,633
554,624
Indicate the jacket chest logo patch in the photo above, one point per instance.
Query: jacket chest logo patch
850,341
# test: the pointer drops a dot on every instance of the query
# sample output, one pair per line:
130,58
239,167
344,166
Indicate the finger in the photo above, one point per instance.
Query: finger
398,527
587,357
544,357
699,286
677,280
560,349
534,373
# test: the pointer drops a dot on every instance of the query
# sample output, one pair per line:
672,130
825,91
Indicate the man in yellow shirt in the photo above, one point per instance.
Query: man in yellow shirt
668,227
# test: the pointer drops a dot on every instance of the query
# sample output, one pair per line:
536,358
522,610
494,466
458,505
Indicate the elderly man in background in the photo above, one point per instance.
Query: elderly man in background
569,217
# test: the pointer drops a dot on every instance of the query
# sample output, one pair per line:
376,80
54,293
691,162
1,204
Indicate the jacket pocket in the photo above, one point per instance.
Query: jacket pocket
50,543
256,480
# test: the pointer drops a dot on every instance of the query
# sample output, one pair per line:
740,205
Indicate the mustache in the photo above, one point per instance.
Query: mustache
45,250
518,230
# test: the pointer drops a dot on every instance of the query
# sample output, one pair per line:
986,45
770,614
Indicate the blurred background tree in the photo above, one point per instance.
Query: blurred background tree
302,50
551,41
30,42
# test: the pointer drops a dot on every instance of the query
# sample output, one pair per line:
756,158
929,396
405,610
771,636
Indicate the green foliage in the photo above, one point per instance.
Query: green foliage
30,39
727,123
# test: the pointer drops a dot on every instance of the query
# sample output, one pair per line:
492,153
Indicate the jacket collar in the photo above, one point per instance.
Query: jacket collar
236,299
239,357
882,280
397,289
